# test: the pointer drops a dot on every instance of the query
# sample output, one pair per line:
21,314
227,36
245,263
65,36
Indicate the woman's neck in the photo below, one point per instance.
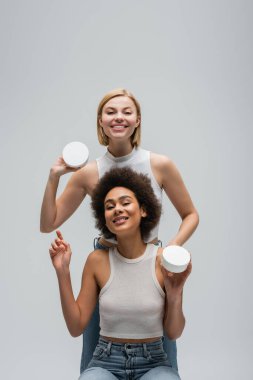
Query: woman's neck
131,247
120,149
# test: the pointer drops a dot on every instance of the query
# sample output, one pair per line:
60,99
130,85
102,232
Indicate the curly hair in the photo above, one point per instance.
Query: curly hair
140,185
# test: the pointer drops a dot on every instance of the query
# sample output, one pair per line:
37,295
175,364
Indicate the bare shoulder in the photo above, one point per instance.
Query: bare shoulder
98,266
97,256
162,167
91,168
160,161
96,259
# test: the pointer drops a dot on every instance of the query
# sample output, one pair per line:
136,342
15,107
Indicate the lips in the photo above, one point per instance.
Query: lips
120,220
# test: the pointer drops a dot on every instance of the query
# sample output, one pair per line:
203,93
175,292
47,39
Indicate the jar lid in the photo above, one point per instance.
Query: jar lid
75,154
175,258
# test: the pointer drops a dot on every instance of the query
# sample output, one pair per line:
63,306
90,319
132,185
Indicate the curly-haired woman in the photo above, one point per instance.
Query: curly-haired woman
138,299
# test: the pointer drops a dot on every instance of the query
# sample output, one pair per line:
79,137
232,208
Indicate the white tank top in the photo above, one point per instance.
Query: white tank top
138,160
131,304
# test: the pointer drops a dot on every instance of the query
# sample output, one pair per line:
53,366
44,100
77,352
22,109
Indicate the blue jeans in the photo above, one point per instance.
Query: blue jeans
91,336
146,361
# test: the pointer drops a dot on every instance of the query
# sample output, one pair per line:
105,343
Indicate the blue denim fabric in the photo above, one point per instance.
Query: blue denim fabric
91,335
130,361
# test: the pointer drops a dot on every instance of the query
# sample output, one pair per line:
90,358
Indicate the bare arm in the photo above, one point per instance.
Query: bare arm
54,211
170,179
77,313
174,320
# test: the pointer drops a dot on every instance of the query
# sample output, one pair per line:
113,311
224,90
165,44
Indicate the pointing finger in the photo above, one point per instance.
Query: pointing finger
59,234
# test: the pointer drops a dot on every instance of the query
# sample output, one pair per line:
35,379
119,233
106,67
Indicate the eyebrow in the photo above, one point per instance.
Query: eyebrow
113,108
120,198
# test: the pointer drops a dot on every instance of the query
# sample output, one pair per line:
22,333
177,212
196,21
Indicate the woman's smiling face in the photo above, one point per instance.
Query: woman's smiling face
119,118
122,211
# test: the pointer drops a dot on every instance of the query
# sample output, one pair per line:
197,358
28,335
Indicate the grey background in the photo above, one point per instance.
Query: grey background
190,65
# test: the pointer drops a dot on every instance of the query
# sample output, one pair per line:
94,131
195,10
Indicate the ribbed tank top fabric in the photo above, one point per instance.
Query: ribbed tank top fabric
131,304
138,160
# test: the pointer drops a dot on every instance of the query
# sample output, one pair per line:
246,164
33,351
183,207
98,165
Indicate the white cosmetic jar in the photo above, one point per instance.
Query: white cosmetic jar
175,258
75,154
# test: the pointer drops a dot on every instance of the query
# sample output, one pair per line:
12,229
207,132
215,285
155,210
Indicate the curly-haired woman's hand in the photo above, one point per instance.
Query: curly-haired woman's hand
174,282
60,253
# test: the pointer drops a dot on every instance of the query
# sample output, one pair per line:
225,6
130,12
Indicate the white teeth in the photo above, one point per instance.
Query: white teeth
121,218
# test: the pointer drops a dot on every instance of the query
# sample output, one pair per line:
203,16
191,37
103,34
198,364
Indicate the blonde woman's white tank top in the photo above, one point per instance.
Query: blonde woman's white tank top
138,160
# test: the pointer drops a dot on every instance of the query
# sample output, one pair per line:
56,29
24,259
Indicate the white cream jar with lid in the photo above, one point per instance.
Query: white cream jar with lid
75,154
175,258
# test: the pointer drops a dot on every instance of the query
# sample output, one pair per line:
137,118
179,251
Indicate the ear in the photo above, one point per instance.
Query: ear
143,213
138,121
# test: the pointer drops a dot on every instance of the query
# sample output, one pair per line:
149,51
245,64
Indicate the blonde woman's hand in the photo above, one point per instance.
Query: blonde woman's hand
60,253
60,168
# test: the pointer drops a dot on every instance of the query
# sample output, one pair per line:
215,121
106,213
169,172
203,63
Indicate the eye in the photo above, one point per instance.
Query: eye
109,112
109,207
128,113
126,203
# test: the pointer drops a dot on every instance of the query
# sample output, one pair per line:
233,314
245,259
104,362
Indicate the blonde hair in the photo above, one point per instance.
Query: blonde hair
136,136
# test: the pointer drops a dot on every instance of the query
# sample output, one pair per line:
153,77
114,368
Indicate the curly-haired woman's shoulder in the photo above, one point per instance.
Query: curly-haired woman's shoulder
97,257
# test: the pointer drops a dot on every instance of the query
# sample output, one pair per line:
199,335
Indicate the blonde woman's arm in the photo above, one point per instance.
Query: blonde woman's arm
170,180
54,212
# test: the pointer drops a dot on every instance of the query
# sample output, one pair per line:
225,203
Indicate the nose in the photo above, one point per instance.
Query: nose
119,117
118,208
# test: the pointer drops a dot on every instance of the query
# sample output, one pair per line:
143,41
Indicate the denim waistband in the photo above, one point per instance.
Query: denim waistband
123,346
